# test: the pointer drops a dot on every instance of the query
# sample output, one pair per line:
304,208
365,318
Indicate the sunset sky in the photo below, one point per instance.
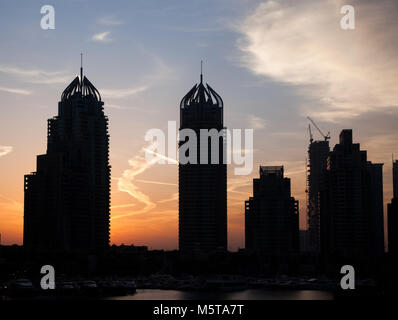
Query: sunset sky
273,62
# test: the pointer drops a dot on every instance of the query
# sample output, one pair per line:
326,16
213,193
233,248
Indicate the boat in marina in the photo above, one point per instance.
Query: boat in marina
226,283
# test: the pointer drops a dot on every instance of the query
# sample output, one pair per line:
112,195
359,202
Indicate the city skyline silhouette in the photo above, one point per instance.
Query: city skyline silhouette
67,201
144,60
206,150
79,86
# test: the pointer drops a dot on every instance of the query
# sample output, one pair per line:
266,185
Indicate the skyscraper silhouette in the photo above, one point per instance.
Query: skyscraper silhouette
395,178
67,200
272,214
392,212
318,152
202,187
352,203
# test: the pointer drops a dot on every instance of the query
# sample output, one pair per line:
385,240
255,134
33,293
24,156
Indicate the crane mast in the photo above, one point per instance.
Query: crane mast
326,137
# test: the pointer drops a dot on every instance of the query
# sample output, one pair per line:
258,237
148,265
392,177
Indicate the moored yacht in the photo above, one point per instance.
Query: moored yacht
226,283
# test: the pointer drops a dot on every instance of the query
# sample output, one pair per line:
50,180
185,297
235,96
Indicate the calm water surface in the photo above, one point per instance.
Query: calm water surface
250,294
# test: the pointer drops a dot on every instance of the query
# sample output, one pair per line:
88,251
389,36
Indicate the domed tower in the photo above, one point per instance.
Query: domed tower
67,200
203,186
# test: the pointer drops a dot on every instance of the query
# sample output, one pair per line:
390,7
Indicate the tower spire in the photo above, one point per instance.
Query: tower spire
201,71
81,72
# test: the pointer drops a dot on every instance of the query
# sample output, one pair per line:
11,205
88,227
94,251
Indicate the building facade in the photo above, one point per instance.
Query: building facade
392,212
318,152
395,178
202,187
351,203
272,215
67,199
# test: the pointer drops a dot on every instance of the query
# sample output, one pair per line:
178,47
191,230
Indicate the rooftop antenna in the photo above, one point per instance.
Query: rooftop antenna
201,71
81,72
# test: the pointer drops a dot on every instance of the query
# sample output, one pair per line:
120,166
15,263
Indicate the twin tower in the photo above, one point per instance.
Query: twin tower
67,199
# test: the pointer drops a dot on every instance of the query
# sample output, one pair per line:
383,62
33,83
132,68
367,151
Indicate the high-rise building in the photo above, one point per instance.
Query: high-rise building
202,187
318,152
67,199
272,214
375,172
392,212
351,203
304,241
395,178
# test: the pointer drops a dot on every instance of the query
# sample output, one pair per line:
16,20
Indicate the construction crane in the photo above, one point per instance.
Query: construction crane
309,130
326,137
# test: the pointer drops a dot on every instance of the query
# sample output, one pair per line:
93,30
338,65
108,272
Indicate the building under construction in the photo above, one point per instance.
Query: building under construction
318,152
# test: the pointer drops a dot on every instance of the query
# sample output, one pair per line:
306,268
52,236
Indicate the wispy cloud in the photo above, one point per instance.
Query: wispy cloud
129,205
160,157
174,197
237,183
340,73
256,122
122,93
36,75
117,106
162,70
110,21
207,29
9,204
101,37
126,183
125,107
16,91
157,182
4,150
